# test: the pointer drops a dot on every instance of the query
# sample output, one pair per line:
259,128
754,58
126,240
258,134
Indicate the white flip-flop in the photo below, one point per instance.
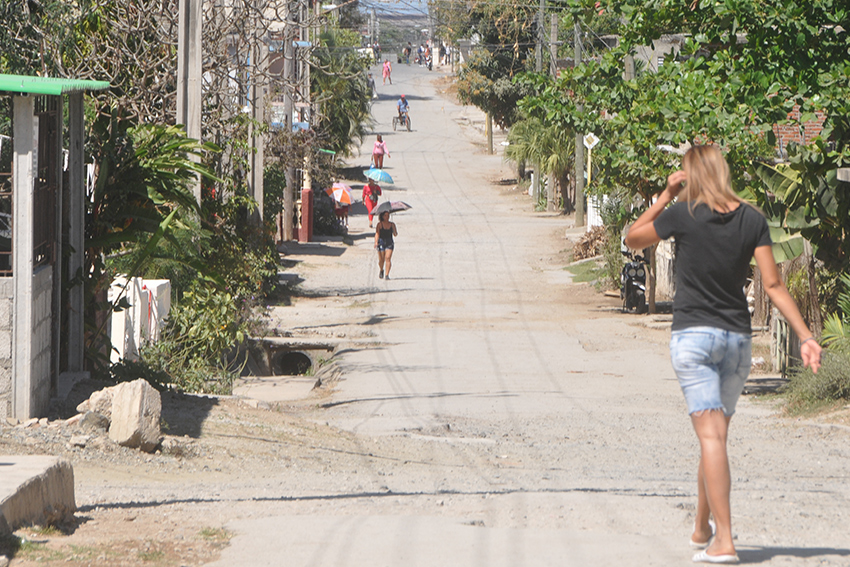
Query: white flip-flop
698,545
704,557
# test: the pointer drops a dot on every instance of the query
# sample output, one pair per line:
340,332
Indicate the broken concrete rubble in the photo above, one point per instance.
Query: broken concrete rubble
99,402
136,412
131,412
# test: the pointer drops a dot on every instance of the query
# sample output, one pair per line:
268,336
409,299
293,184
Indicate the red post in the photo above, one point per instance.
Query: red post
305,233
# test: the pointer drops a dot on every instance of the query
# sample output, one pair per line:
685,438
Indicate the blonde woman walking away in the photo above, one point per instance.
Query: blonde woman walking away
716,236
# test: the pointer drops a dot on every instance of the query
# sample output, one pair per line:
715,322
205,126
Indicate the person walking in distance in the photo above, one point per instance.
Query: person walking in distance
384,243
717,234
371,193
378,152
387,71
370,83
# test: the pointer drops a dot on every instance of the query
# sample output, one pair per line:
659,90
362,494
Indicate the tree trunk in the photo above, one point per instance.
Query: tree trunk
814,316
565,185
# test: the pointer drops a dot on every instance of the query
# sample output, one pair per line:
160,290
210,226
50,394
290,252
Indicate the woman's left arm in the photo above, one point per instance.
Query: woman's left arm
395,231
777,292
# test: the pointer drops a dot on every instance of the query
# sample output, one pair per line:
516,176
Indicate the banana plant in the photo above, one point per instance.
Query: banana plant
836,328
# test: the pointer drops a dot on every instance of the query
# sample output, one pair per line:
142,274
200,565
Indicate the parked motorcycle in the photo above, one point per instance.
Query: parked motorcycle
633,283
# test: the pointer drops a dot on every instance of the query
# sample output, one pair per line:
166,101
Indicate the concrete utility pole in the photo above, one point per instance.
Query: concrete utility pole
288,86
538,67
258,77
306,110
579,161
189,61
552,198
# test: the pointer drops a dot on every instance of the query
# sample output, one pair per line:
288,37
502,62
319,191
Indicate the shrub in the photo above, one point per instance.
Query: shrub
808,392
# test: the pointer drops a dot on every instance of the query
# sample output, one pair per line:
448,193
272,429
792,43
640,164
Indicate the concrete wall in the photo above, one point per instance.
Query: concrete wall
7,294
42,332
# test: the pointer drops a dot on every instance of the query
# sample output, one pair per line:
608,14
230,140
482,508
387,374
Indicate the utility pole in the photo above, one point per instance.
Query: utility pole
306,110
579,161
288,87
538,67
258,66
189,57
552,201
372,32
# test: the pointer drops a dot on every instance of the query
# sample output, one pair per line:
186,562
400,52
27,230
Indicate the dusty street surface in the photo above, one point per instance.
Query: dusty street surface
489,412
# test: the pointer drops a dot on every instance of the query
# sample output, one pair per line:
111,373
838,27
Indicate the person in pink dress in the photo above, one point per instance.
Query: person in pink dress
371,193
378,152
388,71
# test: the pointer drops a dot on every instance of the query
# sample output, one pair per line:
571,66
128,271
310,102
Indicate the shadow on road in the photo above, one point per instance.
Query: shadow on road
762,554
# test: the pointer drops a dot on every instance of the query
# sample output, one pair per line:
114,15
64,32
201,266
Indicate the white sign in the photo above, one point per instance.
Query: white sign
590,141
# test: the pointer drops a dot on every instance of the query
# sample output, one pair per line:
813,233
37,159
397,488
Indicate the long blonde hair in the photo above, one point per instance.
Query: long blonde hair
709,180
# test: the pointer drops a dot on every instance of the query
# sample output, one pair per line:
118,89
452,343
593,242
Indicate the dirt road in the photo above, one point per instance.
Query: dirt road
490,413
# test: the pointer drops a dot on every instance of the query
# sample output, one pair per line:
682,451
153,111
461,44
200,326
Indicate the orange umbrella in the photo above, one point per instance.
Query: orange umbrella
341,193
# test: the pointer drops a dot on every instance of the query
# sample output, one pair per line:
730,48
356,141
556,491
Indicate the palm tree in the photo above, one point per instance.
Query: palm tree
532,141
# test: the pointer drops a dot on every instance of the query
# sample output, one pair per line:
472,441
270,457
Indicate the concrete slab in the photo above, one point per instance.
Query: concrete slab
274,388
35,489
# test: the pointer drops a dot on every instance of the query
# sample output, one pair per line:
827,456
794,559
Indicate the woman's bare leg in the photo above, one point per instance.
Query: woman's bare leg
388,261
381,254
712,427
702,529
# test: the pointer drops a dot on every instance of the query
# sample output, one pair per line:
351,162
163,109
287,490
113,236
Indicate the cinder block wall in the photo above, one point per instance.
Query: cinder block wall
7,294
42,283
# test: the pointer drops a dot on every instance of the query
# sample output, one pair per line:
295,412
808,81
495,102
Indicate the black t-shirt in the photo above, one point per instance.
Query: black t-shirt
713,252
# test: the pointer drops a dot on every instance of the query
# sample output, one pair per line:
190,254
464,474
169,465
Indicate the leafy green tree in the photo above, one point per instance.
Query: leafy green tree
340,93
506,36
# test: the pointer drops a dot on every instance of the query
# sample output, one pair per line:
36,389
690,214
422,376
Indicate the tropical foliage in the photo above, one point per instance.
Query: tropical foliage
732,80
531,141
505,37
144,219
340,92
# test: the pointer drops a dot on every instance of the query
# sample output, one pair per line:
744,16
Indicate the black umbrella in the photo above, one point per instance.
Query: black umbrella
390,206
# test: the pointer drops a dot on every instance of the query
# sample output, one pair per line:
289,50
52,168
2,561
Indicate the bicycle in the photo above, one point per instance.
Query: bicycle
403,121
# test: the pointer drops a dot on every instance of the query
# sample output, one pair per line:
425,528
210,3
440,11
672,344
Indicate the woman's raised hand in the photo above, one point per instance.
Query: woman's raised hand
675,183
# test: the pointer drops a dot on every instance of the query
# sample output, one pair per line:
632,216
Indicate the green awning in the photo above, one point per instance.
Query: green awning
48,85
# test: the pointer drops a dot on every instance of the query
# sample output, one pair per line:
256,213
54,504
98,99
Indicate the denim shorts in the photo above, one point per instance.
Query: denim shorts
384,245
712,366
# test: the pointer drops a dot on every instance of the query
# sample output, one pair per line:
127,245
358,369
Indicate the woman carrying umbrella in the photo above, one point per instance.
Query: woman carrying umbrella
384,243
371,193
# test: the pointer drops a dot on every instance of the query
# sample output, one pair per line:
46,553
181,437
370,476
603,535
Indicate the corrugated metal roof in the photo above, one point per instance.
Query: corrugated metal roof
48,85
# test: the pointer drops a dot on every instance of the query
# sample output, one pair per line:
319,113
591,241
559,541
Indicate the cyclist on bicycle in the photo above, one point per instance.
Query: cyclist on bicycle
403,109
